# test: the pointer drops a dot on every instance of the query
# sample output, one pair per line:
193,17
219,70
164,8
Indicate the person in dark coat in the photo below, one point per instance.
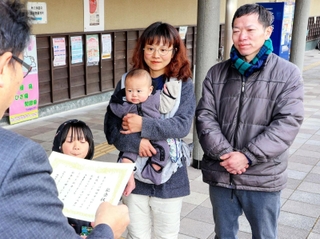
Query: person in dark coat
30,207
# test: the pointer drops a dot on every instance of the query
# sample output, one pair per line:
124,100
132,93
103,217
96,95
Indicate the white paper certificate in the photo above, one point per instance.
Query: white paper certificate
83,184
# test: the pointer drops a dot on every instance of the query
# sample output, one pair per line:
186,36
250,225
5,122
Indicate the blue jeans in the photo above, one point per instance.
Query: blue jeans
262,210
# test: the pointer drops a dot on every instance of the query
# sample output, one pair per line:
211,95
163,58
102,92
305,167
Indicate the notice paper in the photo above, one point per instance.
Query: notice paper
83,184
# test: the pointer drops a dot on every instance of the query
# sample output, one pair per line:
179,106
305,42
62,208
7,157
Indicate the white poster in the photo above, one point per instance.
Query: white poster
106,46
39,10
59,51
183,31
93,15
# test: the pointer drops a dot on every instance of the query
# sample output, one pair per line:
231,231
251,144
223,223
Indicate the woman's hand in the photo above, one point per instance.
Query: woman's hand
131,183
146,149
131,123
130,186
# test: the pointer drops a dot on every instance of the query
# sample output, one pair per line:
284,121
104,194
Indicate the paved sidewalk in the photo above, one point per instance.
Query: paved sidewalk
300,211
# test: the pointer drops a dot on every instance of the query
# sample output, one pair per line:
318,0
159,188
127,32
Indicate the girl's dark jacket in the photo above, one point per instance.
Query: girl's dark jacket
259,116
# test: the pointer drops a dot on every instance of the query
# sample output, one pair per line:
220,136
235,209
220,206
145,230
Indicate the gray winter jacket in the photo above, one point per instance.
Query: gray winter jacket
259,116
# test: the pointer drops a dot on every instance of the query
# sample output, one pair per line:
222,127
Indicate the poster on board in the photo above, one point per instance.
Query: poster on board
76,49
93,15
183,32
59,51
93,55
106,46
39,11
26,101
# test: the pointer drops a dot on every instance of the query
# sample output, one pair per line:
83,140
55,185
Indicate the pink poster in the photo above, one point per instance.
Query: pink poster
26,102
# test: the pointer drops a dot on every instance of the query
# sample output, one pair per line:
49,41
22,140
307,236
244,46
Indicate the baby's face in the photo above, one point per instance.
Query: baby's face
137,89
75,145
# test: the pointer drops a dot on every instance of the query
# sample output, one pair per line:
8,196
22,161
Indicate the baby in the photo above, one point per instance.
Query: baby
139,97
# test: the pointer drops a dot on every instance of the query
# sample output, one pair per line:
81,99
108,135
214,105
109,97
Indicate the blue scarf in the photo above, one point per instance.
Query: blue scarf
247,68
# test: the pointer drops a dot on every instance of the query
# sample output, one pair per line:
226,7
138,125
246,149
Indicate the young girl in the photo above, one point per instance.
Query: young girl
75,138
161,52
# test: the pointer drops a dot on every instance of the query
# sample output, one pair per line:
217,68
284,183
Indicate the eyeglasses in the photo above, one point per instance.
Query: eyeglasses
161,51
25,65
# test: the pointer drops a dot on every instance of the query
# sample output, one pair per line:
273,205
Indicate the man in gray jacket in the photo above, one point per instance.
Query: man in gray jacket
249,114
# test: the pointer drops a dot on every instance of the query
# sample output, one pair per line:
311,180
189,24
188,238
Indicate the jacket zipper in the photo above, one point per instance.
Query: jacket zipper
139,109
243,82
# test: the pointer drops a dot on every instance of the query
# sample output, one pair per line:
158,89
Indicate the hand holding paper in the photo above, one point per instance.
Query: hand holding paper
117,217
84,184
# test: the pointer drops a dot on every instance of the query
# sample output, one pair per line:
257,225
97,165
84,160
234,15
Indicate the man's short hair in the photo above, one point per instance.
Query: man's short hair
265,17
15,26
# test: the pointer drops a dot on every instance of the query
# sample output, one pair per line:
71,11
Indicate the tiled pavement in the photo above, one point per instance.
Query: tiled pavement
300,212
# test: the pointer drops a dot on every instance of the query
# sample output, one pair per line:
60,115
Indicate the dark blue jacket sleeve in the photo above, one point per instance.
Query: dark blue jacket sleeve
29,201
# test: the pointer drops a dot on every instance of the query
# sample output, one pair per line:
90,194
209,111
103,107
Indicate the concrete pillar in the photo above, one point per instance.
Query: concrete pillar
299,31
231,7
208,23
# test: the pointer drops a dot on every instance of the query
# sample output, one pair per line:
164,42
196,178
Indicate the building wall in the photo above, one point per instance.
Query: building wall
67,16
